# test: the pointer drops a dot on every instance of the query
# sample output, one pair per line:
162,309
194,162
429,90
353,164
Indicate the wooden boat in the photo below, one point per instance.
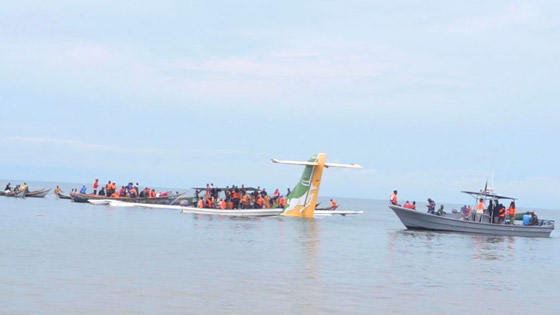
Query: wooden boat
9,193
41,193
165,200
63,196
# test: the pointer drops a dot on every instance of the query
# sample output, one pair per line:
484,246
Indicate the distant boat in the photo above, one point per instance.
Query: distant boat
415,220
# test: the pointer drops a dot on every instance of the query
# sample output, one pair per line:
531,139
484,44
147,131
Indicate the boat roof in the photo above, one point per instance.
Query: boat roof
487,194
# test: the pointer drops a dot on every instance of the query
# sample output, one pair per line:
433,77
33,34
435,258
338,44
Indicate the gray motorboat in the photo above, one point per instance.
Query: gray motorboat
454,222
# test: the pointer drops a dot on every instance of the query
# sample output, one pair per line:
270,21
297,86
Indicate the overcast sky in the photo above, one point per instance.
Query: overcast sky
431,97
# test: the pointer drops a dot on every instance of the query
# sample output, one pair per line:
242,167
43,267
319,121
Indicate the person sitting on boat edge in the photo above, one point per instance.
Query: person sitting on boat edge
102,191
394,198
431,206
333,205
512,213
440,211
57,191
8,187
413,205
407,205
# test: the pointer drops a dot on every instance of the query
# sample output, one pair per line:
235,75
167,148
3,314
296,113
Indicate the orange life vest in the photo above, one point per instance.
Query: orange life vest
480,206
394,198
512,211
223,205
502,212
333,204
200,203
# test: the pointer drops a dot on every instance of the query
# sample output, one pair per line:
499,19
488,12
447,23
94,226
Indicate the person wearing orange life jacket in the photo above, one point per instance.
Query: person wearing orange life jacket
479,210
115,195
266,202
413,205
245,201
512,213
108,188
282,202
200,203
407,205
394,198
333,205
222,204
501,214
259,202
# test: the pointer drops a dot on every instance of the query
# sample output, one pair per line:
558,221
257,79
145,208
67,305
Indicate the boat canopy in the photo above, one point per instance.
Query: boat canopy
477,194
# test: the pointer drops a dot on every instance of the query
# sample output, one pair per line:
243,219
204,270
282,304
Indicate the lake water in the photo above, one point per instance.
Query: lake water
61,257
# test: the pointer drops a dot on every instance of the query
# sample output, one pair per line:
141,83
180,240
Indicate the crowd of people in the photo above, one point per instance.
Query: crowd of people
110,190
236,197
17,189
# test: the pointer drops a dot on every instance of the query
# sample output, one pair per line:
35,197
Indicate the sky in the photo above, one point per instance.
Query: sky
431,97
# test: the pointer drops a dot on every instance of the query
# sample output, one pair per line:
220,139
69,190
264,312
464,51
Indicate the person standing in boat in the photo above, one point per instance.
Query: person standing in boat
431,206
512,213
491,209
394,198
95,186
83,190
479,210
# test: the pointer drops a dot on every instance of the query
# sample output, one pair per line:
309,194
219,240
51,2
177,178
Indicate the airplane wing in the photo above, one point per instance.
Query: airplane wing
294,162
352,165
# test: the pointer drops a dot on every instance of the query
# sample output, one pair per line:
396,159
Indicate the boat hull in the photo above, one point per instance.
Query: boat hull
415,220
84,198
38,193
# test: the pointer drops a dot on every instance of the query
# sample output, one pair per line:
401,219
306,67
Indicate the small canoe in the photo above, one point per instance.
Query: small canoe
63,196
41,193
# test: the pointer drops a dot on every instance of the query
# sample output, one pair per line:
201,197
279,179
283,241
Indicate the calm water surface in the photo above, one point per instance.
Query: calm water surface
61,257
